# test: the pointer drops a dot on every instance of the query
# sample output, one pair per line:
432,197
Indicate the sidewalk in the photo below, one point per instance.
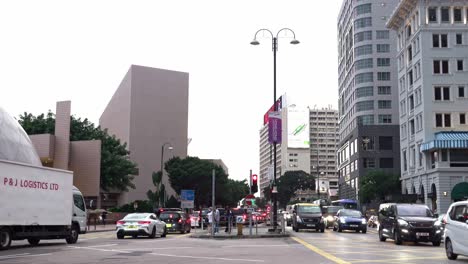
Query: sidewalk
100,228
261,232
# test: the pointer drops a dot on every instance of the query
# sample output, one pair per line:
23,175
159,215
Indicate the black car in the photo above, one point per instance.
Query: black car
307,216
329,213
176,221
349,219
408,222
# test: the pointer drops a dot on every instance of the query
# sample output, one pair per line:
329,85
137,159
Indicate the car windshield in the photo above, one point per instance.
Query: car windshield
414,210
165,216
333,209
308,209
350,213
135,216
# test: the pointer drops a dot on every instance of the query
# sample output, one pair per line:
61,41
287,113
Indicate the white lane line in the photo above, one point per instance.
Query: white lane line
15,255
212,258
101,249
161,248
241,246
107,245
23,256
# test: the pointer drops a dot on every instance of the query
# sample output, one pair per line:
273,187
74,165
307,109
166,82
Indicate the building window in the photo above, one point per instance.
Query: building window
384,90
364,77
386,163
364,106
439,41
461,91
432,13
405,162
383,76
365,120
441,67
383,48
363,9
410,77
412,127
362,36
385,143
385,119
462,119
363,22
368,163
363,50
383,62
457,15
385,104
459,39
383,34
411,102
459,65
364,64
443,120
445,14
441,93
364,91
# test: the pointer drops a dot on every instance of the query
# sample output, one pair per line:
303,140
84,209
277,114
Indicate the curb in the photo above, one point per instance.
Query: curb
99,231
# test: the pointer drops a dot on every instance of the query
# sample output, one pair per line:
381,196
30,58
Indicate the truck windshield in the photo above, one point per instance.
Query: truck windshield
413,210
309,209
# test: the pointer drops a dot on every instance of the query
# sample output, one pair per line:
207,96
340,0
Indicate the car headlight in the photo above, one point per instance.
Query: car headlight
342,220
363,221
402,222
437,223
330,218
298,219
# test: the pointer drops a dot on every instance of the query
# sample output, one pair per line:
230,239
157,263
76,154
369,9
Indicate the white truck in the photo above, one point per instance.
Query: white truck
39,203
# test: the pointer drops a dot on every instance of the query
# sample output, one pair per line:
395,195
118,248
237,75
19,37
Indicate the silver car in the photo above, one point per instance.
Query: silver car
140,224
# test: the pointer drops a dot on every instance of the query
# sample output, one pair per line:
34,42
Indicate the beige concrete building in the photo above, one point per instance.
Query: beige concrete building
149,111
81,157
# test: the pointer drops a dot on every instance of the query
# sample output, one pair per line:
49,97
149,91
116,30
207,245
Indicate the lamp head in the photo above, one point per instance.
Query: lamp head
254,42
170,148
294,42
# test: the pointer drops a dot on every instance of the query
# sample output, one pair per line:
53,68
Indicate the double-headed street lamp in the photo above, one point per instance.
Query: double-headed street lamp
162,166
275,49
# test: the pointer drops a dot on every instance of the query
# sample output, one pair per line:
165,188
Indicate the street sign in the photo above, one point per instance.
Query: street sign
187,198
274,128
270,172
249,198
186,204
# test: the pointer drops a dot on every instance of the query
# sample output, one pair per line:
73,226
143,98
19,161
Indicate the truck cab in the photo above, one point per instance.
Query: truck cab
79,216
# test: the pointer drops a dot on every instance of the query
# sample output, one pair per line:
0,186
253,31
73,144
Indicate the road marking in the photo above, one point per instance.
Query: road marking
397,259
212,258
320,252
107,245
162,248
23,256
101,249
241,246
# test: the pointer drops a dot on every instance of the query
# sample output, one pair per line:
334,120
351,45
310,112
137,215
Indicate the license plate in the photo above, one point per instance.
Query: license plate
168,225
422,234
354,225
132,227
311,225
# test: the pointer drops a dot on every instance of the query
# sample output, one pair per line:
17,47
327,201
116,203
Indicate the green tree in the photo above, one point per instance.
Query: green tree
376,184
235,191
261,202
292,181
117,171
195,174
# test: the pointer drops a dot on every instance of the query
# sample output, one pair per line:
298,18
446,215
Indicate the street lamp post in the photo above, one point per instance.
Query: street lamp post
275,49
318,176
162,166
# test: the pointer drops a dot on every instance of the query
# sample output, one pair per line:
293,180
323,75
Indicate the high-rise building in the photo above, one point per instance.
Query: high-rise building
368,95
431,38
149,112
323,145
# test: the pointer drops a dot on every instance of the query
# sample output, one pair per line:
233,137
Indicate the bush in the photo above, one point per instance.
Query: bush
143,207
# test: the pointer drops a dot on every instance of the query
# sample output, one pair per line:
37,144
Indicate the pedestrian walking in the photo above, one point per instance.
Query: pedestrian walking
103,217
210,220
216,220
228,219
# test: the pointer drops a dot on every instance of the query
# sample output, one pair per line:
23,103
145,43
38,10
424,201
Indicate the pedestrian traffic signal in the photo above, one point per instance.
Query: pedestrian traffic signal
254,186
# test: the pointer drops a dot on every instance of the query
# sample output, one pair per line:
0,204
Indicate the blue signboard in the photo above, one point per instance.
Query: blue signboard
187,195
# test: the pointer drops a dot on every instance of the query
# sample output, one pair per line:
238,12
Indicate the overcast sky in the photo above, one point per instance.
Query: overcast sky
81,50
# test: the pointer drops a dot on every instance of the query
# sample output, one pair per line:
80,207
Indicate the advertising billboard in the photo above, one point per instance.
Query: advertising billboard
298,127
280,103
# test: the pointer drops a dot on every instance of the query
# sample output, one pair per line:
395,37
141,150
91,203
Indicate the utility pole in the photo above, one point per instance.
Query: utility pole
213,213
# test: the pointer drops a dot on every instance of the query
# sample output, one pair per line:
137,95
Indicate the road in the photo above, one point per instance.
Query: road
303,247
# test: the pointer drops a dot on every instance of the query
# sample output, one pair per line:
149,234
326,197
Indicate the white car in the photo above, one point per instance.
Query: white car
140,224
456,230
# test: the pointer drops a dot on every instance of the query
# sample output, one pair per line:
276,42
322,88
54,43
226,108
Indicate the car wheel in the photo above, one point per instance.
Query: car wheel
296,229
182,231
322,230
134,236
364,231
357,230
153,233
381,237
5,238
449,250
397,238
120,236
73,235
339,229
33,241
334,228
164,234
436,243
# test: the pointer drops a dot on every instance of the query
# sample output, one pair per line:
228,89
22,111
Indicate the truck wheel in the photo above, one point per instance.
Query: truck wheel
33,241
5,238
73,235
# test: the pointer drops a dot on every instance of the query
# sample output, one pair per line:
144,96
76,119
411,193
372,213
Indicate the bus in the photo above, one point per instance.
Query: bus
346,203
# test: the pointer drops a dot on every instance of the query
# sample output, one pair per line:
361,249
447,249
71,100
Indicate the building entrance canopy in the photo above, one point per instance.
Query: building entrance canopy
460,191
447,140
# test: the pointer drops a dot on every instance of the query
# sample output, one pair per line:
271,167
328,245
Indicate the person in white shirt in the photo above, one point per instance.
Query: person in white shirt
210,220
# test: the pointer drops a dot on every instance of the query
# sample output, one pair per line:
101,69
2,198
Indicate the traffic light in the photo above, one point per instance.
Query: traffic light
254,186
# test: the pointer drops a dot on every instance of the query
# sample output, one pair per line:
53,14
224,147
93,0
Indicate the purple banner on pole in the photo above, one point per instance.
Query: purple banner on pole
274,127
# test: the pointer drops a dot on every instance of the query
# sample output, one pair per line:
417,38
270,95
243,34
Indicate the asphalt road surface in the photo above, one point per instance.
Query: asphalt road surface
302,247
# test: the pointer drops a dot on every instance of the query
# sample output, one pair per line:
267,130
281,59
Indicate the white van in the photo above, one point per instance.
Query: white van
456,230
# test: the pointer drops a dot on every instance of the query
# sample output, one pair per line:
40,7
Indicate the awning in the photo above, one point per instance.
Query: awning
460,191
447,140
